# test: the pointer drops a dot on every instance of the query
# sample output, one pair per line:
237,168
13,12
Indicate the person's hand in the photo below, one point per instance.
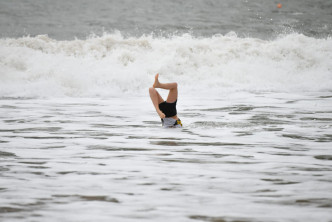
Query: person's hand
162,115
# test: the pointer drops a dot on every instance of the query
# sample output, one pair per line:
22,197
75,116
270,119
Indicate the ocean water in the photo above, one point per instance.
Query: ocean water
80,140
78,18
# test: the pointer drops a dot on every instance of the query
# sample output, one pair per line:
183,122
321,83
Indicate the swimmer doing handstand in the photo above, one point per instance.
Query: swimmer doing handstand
165,109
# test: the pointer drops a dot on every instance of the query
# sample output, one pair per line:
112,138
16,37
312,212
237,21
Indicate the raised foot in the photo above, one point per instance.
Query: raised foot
156,83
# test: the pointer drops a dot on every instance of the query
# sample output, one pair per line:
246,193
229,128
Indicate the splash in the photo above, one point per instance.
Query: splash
111,64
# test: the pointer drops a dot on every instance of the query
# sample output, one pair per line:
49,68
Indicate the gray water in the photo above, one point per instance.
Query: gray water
267,159
80,18
80,140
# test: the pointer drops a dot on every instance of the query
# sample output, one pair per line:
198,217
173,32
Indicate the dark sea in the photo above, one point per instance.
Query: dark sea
80,139
66,20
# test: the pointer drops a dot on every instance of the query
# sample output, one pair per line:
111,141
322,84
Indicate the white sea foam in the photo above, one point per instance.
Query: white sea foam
112,64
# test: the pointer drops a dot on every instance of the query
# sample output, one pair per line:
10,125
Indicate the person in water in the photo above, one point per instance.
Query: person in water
166,109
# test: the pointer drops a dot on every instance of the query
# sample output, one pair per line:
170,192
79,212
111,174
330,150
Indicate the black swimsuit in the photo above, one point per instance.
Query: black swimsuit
169,109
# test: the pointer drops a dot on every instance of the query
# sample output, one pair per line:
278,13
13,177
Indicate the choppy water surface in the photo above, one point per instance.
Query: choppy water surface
244,154
239,157
63,19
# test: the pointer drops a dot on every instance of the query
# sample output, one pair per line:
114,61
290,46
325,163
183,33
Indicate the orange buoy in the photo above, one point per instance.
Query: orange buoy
279,5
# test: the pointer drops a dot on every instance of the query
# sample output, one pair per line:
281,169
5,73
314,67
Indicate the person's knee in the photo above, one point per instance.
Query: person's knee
152,90
175,85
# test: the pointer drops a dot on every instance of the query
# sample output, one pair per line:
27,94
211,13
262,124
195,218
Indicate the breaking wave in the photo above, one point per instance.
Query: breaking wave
112,64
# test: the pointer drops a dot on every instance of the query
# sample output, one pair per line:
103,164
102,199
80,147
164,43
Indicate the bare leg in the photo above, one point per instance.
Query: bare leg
172,87
156,100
